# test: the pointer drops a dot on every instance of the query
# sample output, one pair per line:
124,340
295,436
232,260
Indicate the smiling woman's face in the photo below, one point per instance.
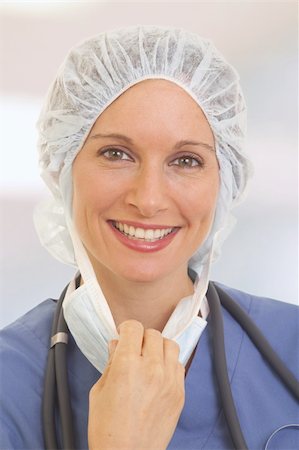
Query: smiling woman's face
146,183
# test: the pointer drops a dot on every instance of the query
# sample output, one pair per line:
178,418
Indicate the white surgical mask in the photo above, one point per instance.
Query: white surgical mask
91,323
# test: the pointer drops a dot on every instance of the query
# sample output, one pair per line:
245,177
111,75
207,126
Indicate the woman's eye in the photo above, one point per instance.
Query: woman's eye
115,154
187,161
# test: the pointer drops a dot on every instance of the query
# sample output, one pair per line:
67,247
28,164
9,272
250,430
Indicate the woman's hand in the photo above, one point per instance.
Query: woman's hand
137,402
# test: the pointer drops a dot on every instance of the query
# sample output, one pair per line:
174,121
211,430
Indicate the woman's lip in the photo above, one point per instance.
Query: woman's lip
142,245
143,225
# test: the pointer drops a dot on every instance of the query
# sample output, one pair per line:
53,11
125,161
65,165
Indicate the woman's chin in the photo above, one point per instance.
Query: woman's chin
141,275
141,270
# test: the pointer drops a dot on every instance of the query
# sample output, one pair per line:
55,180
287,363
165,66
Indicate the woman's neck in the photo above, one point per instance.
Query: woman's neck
151,303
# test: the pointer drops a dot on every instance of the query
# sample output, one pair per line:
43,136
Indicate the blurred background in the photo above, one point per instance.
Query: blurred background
258,38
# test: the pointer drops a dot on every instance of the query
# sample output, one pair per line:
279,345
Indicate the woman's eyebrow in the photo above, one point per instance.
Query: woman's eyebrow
112,135
180,144
125,138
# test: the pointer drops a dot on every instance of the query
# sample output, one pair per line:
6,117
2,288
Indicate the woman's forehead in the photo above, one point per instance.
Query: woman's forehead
153,89
151,107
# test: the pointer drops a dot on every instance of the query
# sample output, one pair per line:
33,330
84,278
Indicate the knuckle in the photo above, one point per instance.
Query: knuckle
175,346
172,345
126,359
181,368
152,332
131,325
155,363
124,368
112,345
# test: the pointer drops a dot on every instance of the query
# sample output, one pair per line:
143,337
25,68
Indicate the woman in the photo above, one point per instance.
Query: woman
141,144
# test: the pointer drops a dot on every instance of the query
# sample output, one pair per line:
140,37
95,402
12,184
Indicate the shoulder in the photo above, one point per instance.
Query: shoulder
278,321
24,344
32,327
23,354
263,309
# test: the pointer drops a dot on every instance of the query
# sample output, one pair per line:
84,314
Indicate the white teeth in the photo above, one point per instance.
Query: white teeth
141,233
157,234
149,234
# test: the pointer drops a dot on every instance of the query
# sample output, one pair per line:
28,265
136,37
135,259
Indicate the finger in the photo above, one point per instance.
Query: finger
153,345
171,351
172,362
130,338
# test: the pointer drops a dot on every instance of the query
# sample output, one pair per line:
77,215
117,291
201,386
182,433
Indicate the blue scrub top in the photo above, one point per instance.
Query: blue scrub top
263,403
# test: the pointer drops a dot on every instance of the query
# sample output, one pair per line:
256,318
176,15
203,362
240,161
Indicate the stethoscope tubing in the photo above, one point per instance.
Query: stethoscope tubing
219,359
56,381
63,390
49,396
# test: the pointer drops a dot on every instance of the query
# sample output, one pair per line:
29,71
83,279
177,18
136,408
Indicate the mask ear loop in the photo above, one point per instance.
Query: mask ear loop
185,313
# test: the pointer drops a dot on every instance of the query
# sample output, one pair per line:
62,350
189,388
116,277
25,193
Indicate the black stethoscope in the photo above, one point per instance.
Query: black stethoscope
56,381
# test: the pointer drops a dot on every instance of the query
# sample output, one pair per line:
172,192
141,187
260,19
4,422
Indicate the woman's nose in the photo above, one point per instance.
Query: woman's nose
148,193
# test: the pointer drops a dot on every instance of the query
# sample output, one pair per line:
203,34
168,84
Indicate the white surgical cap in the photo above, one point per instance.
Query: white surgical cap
100,69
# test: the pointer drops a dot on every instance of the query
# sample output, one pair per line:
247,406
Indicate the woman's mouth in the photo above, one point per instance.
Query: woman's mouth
144,239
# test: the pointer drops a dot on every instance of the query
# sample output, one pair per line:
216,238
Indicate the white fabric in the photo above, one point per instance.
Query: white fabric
88,325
